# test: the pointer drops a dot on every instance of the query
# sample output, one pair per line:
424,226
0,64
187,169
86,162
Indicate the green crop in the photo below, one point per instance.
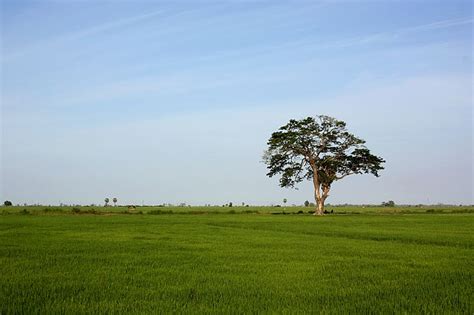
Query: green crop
235,263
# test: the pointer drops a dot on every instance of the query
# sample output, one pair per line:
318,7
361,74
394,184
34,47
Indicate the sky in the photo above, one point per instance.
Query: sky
173,101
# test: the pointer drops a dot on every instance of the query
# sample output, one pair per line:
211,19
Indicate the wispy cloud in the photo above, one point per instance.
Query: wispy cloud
438,25
87,32
391,35
314,44
113,25
198,18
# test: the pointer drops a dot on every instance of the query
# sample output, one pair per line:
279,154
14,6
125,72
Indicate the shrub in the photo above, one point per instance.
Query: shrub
7,203
75,210
300,212
24,211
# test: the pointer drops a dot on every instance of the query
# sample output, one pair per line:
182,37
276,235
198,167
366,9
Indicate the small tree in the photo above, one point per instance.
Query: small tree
106,202
115,202
389,203
7,203
318,149
230,204
306,203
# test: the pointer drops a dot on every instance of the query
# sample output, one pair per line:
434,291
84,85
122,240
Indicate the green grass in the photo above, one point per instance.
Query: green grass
52,210
247,263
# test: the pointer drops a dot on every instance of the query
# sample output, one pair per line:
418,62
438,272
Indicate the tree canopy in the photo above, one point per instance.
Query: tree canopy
319,149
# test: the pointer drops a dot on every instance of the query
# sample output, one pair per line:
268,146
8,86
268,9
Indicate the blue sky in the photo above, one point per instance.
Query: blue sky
174,101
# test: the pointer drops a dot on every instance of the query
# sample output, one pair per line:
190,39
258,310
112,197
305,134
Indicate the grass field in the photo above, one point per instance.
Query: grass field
52,210
57,262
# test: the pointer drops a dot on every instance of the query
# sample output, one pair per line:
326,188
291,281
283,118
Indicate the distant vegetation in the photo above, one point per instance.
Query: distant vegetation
389,203
262,210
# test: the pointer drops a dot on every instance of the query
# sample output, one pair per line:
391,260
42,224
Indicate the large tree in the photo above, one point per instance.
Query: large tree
319,149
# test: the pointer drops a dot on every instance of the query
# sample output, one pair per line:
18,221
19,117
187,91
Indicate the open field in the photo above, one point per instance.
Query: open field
156,210
56,263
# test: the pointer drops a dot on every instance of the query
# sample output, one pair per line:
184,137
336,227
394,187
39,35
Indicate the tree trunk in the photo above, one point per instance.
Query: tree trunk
321,207
321,199
319,202
317,192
